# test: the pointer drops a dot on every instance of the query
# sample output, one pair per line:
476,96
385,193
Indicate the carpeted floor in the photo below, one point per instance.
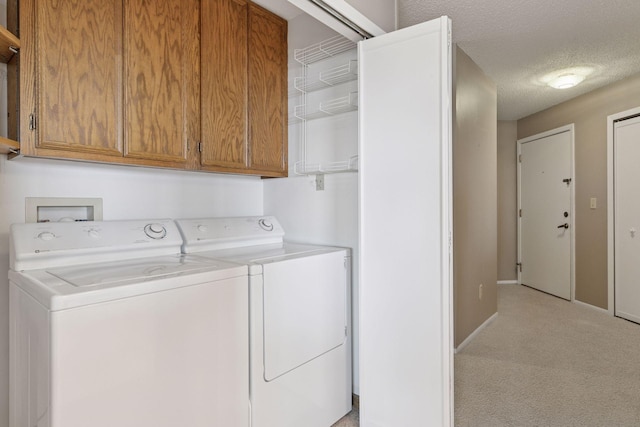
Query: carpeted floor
548,362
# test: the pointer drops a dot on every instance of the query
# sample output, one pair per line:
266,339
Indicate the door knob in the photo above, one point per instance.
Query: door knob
565,226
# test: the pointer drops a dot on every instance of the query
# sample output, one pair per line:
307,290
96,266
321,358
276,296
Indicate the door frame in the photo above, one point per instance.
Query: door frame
567,128
610,204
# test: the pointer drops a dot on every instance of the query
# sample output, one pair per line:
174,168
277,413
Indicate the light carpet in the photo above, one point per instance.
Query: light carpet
548,362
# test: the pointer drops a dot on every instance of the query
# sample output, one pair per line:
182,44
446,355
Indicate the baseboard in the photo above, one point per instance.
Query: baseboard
507,282
473,334
592,307
355,400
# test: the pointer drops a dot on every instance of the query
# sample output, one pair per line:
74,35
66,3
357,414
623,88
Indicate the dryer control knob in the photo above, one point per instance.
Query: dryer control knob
94,233
46,236
155,231
265,224
202,228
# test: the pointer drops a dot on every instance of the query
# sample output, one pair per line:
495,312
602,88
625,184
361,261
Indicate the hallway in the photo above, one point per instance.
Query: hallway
547,362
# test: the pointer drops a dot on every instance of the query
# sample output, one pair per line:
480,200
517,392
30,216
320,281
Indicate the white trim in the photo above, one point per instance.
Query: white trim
446,161
592,307
473,334
610,206
567,128
508,282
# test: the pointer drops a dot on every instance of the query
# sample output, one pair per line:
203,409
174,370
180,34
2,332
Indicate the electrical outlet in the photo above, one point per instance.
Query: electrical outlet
480,291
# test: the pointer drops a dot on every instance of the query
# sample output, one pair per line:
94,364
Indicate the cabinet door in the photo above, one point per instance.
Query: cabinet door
78,76
160,82
267,92
224,84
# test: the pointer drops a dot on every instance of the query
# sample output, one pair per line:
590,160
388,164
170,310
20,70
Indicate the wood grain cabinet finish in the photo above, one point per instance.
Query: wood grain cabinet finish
224,84
187,84
244,88
78,77
160,69
267,91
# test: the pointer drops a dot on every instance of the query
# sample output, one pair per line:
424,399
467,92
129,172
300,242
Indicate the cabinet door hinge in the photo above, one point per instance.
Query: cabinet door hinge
32,121
520,213
519,266
520,158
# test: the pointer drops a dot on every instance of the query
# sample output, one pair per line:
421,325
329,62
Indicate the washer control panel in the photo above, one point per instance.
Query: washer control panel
155,230
43,245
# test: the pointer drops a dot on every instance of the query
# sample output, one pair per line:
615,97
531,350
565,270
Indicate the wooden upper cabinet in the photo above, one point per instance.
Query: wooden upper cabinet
186,84
224,84
160,78
243,89
267,92
78,76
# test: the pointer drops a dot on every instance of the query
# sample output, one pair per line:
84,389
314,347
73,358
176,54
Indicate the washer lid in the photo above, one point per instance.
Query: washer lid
67,287
112,273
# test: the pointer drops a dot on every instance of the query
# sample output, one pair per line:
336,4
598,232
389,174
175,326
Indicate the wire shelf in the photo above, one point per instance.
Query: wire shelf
303,168
334,76
323,50
332,107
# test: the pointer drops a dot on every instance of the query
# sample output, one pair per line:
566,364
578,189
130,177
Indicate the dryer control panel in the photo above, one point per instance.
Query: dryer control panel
207,234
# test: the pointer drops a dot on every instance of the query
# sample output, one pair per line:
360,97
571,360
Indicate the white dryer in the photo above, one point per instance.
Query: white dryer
300,318
112,326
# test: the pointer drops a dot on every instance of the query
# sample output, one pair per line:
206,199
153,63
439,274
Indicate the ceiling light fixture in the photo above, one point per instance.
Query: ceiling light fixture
565,81
565,78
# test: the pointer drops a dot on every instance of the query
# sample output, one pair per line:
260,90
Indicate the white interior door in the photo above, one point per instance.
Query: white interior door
545,223
627,218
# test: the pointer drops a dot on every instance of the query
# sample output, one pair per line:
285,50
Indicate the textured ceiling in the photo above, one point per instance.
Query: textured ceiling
516,42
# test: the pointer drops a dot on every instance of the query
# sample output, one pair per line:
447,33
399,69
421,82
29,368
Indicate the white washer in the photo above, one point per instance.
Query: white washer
300,318
112,326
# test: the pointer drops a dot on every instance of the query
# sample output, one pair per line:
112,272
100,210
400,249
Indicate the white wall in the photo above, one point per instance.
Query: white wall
382,12
127,192
330,216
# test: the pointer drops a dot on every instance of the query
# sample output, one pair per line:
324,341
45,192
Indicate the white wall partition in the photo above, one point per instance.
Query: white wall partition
406,365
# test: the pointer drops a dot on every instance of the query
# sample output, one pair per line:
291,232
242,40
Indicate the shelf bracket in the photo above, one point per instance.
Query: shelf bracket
320,182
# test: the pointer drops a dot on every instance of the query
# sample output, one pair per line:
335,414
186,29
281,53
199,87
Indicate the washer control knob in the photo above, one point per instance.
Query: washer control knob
46,236
266,225
155,230
94,233
202,228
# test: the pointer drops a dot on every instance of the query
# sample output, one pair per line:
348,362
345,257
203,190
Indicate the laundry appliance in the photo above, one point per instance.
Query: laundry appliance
112,326
300,318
